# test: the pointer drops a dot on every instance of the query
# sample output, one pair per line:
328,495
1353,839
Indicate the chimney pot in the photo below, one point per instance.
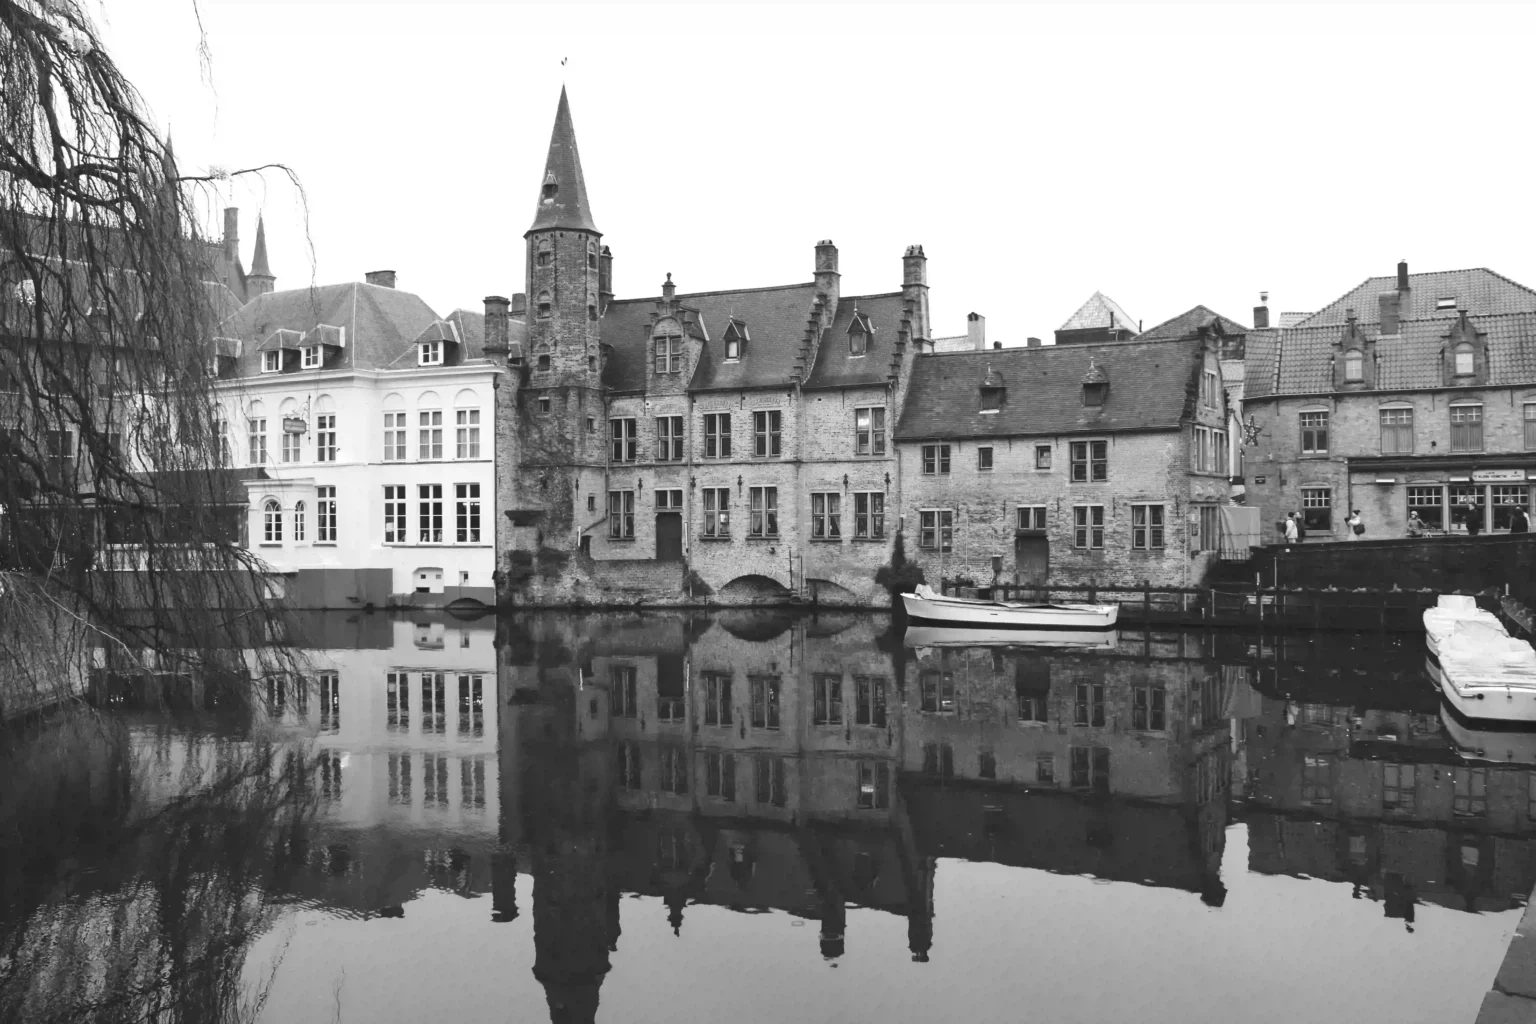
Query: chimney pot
496,325
1033,343
976,331
519,305
826,256
1402,275
1391,311
914,266
668,290
1261,312
382,278
997,344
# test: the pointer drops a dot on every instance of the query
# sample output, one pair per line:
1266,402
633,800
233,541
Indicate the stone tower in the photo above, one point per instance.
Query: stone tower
561,412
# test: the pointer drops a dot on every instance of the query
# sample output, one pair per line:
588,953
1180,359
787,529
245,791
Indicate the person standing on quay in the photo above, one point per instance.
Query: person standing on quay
1301,527
1290,528
1519,522
1474,519
1355,524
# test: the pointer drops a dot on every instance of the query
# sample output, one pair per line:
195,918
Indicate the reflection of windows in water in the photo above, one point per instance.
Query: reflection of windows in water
874,786
1045,768
434,780
1088,707
986,766
937,691
330,777
720,775
827,699
1320,714
472,783
770,780
330,702
1471,795
670,703
400,779
471,705
621,691
1032,708
1397,787
1090,768
434,701
397,702
629,765
717,698
277,695
1149,708
765,701
1316,780
674,770
939,759
1530,795
869,701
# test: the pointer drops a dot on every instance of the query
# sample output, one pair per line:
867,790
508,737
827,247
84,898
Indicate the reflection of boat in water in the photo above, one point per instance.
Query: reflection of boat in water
939,636
927,607
1509,745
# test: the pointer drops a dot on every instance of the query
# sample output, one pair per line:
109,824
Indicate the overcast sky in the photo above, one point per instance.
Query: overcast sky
1166,155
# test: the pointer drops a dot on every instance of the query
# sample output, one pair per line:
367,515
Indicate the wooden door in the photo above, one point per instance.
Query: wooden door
1032,559
669,536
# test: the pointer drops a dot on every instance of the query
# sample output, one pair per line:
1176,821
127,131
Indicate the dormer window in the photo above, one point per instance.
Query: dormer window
544,255
735,337
1448,302
551,186
1093,394
1354,365
429,353
272,362
858,334
544,305
1095,384
669,353
1466,364
310,357
991,391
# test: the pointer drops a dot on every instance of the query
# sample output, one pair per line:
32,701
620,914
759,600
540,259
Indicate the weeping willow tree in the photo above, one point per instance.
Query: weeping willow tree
120,519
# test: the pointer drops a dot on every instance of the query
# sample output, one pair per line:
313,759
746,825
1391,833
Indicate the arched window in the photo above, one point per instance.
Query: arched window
545,256
544,305
272,522
298,521
1354,365
1465,364
592,255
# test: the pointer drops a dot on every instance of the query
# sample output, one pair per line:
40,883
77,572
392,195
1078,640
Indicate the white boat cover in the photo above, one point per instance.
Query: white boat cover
1475,655
1452,612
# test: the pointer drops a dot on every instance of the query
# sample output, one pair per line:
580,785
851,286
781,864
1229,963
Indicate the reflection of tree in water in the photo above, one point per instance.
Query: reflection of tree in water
125,900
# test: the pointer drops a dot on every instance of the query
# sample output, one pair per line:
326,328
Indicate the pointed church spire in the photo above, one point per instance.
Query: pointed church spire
260,277
563,191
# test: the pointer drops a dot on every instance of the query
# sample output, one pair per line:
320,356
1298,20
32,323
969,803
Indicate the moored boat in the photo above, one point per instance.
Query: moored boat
1487,675
1451,612
925,607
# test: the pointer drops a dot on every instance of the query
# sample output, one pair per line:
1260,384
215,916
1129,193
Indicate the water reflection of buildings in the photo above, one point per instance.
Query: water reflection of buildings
1354,777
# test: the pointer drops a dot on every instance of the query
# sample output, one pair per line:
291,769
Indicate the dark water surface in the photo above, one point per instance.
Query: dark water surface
758,817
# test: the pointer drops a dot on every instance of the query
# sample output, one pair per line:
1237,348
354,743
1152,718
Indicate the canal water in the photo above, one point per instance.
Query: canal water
765,817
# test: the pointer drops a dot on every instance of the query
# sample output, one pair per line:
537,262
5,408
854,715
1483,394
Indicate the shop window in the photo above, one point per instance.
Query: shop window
1429,502
1317,509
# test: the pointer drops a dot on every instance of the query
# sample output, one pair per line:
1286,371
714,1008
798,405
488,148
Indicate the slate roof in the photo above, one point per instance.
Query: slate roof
1152,387
1479,291
381,323
259,266
1298,361
569,207
1188,324
835,367
1096,312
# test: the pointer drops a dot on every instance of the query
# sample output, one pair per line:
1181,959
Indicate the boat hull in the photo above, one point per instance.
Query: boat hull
953,613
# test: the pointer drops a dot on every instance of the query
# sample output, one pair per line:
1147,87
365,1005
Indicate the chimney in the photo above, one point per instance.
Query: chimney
382,278
668,302
605,277
827,278
914,288
1391,310
519,306
231,234
1261,312
1402,275
997,344
1033,343
496,326
976,331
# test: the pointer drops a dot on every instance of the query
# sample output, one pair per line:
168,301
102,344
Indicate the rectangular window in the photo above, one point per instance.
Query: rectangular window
310,357
1088,708
1396,431
394,436
1317,508
1031,517
325,438
983,458
770,781
394,514
869,514
325,515
1429,502
939,759
668,499
1466,428
986,763
621,515
936,529
1146,527
765,701
826,699
1042,456
397,702
621,690
1314,433
1507,498
471,705
717,698
869,431
717,512
764,521
1530,426
1088,526
720,775
717,435
669,439
258,441
430,513
936,692
1209,537
874,786
935,459
623,443
430,435
669,353
1210,393
271,362
290,446
467,441
765,433
826,516
1398,788
1149,708
467,513
1089,461
430,353
1031,706
869,701
434,702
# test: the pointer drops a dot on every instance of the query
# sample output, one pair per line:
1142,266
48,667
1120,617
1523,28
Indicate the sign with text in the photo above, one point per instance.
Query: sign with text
295,425
1498,476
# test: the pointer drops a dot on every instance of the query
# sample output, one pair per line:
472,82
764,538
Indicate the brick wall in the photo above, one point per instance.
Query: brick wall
1444,564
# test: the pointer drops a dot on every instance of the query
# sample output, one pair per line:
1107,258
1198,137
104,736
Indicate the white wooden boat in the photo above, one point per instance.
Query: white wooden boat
988,636
1487,675
925,607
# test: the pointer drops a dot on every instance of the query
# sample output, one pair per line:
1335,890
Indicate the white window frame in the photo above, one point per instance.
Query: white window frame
325,437
429,353
395,514
429,437
394,436
467,433
272,361
1466,422
429,513
310,357
271,522
466,513
325,515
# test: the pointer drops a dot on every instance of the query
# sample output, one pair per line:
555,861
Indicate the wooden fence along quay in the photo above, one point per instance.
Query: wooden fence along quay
1229,604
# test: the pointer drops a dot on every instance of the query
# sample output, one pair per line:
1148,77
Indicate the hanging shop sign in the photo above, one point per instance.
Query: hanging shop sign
295,425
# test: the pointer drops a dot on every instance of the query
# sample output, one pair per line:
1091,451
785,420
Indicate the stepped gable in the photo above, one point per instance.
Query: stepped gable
1152,387
381,323
835,366
1478,290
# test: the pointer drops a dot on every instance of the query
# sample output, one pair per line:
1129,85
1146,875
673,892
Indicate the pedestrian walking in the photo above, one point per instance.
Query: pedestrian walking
1355,523
1301,527
1519,522
1290,528
1473,518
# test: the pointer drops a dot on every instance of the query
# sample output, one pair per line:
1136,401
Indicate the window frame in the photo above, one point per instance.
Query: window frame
1313,437
1354,366
936,529
429,436
429,513
466,433
1088,461
1088,527
716,520
1149,530
869,430
868,521
272,361
271,521
325,437
621,515
395,524
762,512
668,350
717,435
669,438
1317,509
466,513
826,515
325,514
1043,457
936,459
395,432
1528,413
1034,515
311,357
1470,424
767,433
623,439
984,458
1395,428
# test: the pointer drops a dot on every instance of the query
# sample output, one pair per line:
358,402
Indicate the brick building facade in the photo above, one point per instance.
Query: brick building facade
1072,463
1408,394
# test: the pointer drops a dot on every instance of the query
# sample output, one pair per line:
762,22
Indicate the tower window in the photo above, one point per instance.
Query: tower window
544,305
591,256
543,362
592,311
592,363
551,186
544,255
